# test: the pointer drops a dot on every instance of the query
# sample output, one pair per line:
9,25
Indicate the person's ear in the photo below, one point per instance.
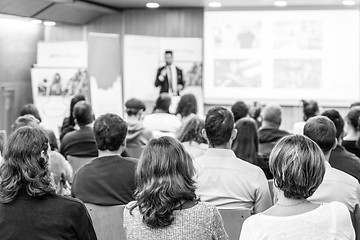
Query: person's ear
234,134
335,144
203,132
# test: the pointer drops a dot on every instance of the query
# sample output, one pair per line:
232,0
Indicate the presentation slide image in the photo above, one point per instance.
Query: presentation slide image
302,35
244,73
297,73
238,35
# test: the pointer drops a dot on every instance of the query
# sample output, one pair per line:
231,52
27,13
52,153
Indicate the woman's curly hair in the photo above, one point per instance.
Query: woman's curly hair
164,179
25,165
191,130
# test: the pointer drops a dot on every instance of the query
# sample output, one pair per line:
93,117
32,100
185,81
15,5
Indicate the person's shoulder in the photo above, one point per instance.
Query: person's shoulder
69,203
344,177
337,207
131,161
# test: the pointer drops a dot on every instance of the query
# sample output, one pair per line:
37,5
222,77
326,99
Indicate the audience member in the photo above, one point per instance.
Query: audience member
310,109
161,122
340,158
29,207
108,179
223,179
30,109
31,121
255,113
298,166
69,122
190,135
352,131
239,110
269,132
246,144
80,143
355,104
62,173
137,135
337,185
187,107
166,205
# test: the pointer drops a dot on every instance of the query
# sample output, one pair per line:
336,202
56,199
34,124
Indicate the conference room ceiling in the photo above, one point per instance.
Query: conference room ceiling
84,11
225,3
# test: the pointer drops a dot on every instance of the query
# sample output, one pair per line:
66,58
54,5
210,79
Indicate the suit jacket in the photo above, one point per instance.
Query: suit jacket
164,85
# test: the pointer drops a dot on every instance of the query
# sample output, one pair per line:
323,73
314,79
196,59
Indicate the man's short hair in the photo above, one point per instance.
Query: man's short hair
355,104
272,113
298,166
240,110
336,118
322,131
219,125
110,132
25,120
163,103
169,52
83,113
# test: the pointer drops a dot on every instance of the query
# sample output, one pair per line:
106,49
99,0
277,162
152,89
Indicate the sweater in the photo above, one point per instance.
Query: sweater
200,222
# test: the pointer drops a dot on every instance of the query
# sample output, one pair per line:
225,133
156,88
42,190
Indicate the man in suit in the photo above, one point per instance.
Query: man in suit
169,77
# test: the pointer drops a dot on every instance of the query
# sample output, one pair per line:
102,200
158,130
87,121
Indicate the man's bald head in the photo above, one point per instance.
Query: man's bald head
271,114
322,131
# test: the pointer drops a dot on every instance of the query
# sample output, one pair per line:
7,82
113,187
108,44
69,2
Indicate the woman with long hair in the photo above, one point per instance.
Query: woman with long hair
166,205
191,137
187,106
29,207
246,144
69,122
298,165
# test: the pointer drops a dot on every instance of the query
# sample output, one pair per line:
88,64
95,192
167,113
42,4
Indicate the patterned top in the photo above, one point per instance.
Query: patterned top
200,222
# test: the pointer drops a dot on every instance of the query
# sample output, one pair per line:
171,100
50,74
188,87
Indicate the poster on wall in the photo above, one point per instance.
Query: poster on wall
62,54
143,55
53,89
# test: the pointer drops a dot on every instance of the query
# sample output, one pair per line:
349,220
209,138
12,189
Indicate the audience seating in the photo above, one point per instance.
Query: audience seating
77,162
107,221
271,188
233,221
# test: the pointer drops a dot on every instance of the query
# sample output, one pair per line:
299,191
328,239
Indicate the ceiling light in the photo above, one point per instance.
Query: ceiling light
280,3
36,21
152,5
348,2
215,4
49,23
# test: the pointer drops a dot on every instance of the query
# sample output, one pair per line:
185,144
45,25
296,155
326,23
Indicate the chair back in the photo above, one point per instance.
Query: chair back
77,163
107,221
233,221
271,188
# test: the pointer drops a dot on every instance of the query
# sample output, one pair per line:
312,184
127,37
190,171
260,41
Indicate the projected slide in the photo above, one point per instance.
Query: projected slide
282,56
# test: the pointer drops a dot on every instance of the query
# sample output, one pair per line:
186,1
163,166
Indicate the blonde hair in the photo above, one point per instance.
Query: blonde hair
298,166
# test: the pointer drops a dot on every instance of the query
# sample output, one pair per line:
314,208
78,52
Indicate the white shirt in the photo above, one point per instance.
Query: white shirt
195,149
162,124
229,182
330,221
337,186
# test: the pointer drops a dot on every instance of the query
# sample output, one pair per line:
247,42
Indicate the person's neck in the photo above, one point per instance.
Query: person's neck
87,125
327,155
133,119
160,111
107,153
284,201
269,125
352,135
224,146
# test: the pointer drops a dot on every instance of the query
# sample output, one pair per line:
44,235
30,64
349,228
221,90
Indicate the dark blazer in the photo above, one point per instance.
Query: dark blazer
107,181
164,85
79,143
